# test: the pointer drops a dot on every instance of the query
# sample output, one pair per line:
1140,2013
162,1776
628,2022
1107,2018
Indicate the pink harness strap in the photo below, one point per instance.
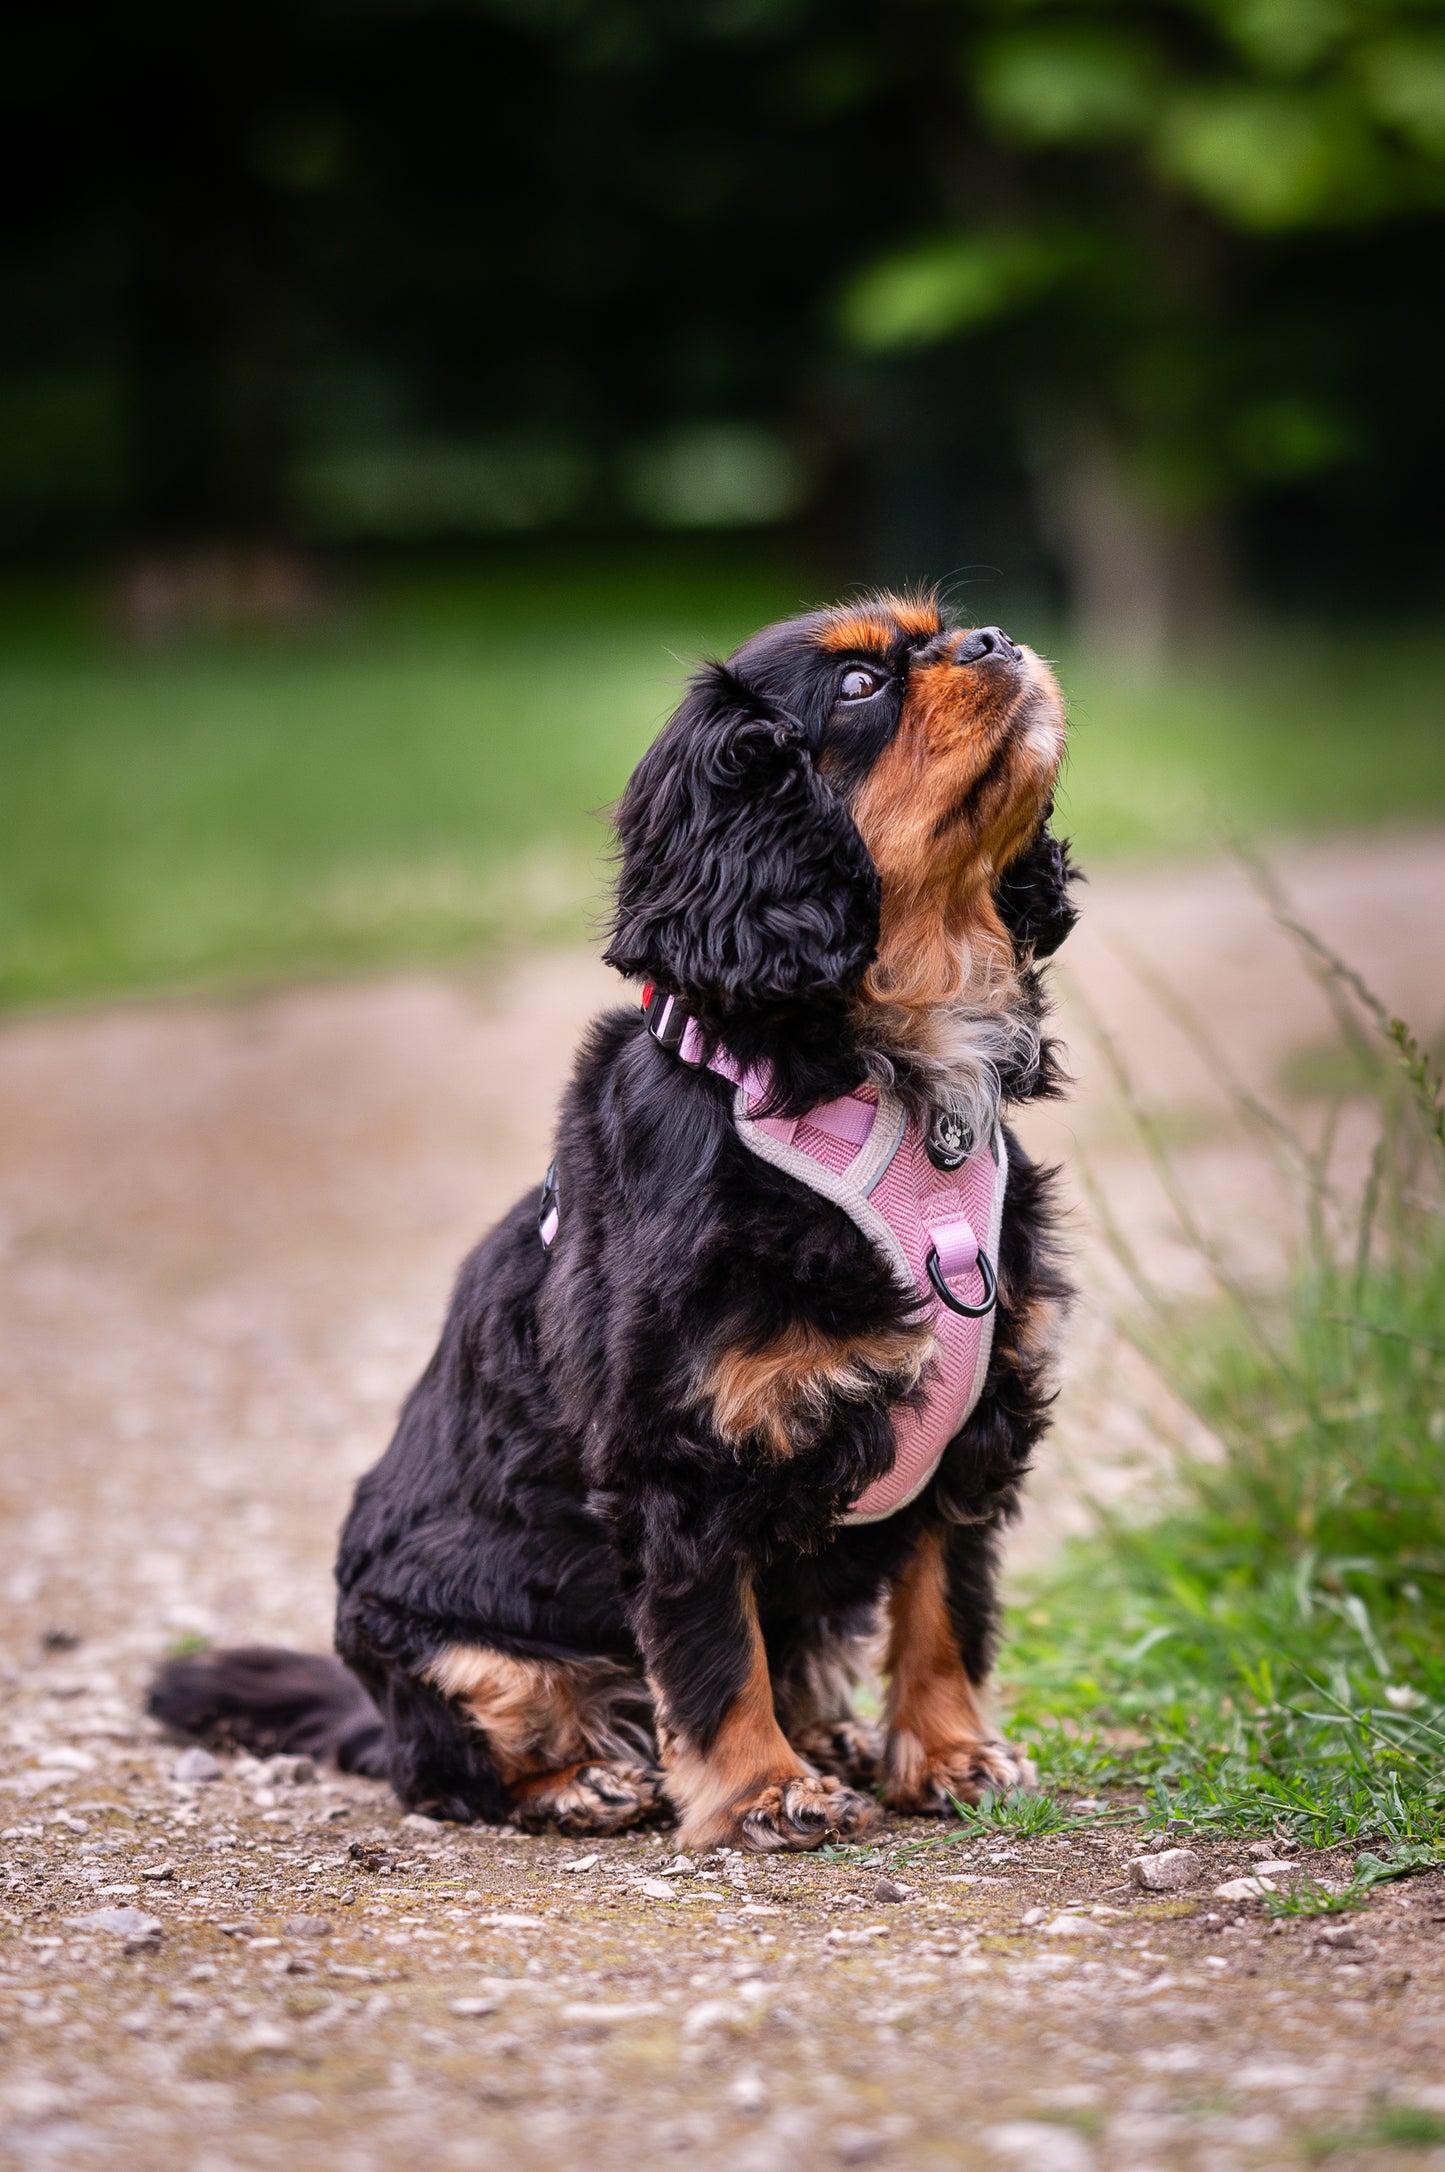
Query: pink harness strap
871,1159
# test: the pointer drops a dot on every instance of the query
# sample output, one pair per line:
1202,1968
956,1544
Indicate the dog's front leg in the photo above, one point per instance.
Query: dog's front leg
731,1772
940,1746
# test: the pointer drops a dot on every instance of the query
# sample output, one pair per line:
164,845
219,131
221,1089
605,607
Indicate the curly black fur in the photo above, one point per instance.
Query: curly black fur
555,1489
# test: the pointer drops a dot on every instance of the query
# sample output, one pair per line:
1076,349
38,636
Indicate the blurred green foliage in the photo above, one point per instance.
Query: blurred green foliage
1073,289
1225,123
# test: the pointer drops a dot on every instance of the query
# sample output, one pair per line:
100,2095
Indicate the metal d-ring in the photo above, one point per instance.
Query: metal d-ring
956,1304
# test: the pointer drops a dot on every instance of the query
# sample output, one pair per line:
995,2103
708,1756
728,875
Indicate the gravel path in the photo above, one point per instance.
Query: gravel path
226,1235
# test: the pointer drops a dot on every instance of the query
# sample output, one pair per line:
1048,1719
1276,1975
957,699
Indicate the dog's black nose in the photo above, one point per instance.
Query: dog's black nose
986,641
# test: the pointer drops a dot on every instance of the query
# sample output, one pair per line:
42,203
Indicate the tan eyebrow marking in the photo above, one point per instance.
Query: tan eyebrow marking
877,623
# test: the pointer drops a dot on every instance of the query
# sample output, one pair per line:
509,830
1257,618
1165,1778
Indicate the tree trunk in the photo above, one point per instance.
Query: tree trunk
1144,582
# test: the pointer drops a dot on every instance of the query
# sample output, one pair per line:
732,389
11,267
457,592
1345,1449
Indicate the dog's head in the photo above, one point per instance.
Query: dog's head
847,822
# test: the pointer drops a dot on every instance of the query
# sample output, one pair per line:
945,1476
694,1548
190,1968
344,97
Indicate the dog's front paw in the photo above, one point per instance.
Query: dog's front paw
930,1785
802,1813
592,1798
848,1748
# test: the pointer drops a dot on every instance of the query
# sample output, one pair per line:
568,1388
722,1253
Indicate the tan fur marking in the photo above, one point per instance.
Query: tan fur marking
748,1754
946,807
878,623
933,1710
537,1714
1035,1336
546,1783
782,1393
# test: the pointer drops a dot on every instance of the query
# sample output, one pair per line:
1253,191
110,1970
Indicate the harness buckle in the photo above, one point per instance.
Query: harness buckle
549,1214
667,1017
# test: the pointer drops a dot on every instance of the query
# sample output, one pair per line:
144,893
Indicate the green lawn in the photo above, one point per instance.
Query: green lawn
423,778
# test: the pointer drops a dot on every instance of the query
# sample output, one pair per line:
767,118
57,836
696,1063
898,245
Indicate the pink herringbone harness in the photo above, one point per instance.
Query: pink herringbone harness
936,1226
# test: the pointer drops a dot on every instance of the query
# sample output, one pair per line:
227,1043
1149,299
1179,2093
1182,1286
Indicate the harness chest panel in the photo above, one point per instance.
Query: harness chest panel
874,1164
936,1228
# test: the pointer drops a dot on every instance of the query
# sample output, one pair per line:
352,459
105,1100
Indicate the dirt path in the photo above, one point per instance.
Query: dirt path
226,1236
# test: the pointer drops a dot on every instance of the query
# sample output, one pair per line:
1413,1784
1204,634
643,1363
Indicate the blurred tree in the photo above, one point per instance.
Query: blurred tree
1113,284
1169,221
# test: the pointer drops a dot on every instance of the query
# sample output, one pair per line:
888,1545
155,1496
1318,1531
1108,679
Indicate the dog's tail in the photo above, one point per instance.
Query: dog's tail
262,1698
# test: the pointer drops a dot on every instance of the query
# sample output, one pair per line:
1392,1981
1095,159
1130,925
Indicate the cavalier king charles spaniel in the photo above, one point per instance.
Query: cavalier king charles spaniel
666,1488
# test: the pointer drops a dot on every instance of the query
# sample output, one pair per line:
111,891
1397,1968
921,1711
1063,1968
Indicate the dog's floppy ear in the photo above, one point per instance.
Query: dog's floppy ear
744,882
1033,895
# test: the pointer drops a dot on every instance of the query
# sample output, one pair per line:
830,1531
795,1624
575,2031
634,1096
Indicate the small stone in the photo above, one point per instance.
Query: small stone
1070,1926
583,1862
158,1871
371,1856
34,2101
130,1923
61,1757
656,1889
297,1772
261,2038
418,1822
709,2014
1039,2146
1259,1849
747,2092
472,2009
238,1930
589,2013
858,2145
888,1889
1167,1872
306,1927
197,1765
1272,1869
1243,1889
1031,1916
1339,1935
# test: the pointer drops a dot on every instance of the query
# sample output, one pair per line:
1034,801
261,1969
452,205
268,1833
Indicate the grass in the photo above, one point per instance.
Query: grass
1392,2126
418,783
420,779
1308,1900
1269,1652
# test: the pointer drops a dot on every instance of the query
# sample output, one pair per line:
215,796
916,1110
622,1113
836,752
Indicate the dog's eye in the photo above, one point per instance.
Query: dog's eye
858,684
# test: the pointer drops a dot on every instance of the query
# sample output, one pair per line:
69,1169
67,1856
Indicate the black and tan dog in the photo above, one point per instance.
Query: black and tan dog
604,1568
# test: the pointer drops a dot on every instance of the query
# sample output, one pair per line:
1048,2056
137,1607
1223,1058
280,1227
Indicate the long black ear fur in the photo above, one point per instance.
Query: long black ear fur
745,886
1033,897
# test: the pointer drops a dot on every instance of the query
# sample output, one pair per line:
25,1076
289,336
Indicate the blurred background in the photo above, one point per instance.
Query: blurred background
397,392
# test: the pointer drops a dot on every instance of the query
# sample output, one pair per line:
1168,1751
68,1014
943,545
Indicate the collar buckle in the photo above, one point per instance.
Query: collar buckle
668,1017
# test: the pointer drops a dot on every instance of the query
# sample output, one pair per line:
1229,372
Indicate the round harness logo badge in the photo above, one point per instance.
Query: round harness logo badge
949,1141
